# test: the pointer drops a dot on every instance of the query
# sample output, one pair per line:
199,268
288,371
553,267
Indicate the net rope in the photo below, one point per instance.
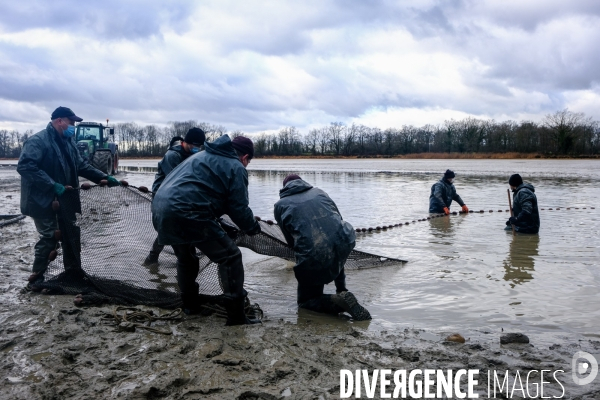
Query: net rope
109,233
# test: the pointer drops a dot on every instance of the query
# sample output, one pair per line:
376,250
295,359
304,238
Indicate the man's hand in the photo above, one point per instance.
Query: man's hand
446,211
59,189
231,231
513,220
112,181
465,208
255,230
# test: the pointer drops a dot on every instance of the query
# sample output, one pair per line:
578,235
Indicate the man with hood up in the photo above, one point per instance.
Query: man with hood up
185,212
442,194
175,155
322,240
526,217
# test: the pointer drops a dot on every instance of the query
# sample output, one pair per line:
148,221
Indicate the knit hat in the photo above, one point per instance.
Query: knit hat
243,145
515,180
449,174
290,177
195,136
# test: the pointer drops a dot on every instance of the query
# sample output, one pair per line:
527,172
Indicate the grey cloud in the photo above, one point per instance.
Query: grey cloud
110,19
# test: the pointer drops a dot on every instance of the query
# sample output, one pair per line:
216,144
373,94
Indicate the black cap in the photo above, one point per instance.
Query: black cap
449,174
65,112
290,177
515,180
195,136
243,145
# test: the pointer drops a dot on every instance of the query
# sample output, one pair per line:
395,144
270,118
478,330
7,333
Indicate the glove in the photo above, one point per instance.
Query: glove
446,211
508,222
231,231
465,208
112,181
59,189
513,220
255,230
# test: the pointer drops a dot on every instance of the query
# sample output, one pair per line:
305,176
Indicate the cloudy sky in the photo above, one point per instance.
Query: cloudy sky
262,65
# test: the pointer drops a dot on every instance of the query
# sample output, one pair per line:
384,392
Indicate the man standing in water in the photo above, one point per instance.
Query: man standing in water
185,210
194,139
442,194
526,217
322,240
50,165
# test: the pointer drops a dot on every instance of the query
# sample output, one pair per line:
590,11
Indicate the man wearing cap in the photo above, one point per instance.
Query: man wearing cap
322,241
185,213
175,155
50,166
526,217
442,194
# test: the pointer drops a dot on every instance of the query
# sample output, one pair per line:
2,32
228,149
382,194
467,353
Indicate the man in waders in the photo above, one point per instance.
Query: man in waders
177,153
50,166
526,217
322,240
442,194
185,212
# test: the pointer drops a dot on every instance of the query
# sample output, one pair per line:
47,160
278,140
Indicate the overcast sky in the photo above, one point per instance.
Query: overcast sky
262,65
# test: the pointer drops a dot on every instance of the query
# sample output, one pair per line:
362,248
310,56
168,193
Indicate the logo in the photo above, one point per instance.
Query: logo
581,364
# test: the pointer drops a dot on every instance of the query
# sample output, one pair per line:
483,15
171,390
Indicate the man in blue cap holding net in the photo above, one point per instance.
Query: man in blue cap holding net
51,165
526,217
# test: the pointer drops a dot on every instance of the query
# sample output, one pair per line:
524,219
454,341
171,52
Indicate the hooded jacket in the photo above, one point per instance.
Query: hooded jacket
173,157
42,163
525,209
442,194
314,228
201,189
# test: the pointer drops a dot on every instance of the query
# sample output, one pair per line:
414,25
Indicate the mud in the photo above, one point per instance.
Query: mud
51,349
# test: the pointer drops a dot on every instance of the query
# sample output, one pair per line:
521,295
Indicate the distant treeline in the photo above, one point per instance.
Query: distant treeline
561,133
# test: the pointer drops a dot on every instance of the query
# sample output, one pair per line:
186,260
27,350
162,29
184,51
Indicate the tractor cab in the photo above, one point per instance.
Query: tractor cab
96,143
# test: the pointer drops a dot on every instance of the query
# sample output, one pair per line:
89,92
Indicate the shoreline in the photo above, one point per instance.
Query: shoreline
415,156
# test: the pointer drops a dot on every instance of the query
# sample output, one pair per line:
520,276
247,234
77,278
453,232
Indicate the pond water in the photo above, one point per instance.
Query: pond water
464,272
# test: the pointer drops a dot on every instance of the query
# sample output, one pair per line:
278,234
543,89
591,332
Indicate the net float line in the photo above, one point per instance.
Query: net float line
430,217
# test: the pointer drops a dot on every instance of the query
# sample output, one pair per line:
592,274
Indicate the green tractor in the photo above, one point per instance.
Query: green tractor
96,143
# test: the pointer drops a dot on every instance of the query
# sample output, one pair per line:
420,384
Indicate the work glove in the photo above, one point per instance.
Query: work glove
112,181
508,222
513,220
446,211
231,231
465,208
255,230
59,189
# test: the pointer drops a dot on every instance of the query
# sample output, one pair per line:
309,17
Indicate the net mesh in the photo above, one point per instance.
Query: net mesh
108,234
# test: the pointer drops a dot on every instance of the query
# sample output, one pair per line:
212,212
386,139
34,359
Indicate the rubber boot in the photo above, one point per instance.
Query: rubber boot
348,302
191,301
236,314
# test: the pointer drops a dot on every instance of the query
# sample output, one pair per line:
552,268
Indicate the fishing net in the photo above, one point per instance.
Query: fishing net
106,234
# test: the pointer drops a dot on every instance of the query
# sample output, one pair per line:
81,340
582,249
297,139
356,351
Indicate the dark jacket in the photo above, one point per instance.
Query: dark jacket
525,209
201,189
442,194
314,228
173,157
42,163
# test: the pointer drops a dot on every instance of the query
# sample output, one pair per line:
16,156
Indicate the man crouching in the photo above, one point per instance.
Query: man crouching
322,240
185,210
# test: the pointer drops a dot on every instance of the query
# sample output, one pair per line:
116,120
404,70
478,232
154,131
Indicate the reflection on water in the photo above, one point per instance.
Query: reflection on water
520,263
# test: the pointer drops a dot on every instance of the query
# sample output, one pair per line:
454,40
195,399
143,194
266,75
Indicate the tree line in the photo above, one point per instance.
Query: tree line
561,133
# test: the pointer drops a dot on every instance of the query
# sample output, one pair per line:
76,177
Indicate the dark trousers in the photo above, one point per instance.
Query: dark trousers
223,252
71,243
312,298
156,248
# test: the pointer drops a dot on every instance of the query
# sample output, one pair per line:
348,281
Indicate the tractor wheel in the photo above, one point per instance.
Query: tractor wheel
103,161
115,166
